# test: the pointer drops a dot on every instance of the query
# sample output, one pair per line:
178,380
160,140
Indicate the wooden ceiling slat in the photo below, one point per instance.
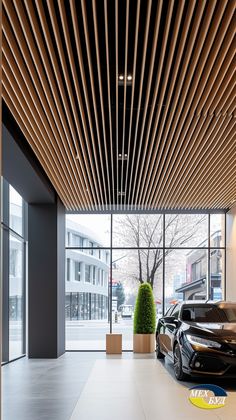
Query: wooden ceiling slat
209,183
132,99
147,97
30,67
207,155
109,98
205,140
35,105
19,114
88,172
10,71
145,44
36,136
164,82
224,75
174,107
43,79
227,174
117,101
124,107
101,98
176,122
83,74
77,88
187,96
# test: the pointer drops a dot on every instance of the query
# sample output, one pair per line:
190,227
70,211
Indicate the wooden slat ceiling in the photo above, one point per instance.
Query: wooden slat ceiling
126,103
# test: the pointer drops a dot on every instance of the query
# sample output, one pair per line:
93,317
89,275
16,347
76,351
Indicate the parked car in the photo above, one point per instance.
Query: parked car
200,338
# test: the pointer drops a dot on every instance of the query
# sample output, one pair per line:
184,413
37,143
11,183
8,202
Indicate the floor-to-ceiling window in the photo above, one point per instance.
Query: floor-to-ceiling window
14,240
109,256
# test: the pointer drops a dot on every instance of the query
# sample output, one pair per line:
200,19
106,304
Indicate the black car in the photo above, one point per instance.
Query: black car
200,338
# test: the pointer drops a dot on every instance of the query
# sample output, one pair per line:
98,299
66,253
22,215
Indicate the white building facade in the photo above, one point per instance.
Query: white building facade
87,272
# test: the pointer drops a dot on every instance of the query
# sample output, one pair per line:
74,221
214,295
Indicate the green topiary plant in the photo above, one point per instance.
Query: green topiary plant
145,311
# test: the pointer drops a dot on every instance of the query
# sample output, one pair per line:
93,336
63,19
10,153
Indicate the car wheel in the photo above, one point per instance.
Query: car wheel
159,354
178,367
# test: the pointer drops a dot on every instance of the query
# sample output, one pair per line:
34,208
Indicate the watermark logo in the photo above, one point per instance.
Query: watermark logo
208,396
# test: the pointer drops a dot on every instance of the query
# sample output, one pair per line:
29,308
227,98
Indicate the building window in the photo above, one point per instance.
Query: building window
15,211
100,254
99,277
196,270
68,269
91,245
102,277
77,271
77,240
87,273
94,274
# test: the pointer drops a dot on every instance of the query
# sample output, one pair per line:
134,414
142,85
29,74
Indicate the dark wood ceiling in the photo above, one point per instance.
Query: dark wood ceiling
126,103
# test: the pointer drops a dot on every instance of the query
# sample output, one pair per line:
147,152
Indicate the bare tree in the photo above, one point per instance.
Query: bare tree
144,233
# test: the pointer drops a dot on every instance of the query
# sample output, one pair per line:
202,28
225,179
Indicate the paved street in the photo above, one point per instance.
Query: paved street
82,335
91,335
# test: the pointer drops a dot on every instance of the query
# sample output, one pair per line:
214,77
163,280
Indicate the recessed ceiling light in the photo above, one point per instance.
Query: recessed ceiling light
129,77
121,77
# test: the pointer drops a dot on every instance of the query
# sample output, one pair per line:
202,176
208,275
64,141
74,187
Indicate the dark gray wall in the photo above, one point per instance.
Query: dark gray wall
23,173
46,247
46,272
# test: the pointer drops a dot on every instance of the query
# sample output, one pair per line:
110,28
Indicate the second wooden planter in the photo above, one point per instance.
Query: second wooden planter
144,343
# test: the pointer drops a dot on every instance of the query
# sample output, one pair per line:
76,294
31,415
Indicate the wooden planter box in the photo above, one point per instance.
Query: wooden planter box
113,343
144,343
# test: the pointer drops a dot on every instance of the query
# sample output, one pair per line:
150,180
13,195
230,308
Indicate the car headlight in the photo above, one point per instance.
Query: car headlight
202,342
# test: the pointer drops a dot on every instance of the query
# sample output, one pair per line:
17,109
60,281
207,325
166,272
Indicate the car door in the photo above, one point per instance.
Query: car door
170,330
163,330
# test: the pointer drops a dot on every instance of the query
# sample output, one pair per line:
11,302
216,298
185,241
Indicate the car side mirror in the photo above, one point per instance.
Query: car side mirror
171,320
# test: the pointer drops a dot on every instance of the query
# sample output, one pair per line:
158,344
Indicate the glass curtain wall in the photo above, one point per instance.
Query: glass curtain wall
13,223
109,256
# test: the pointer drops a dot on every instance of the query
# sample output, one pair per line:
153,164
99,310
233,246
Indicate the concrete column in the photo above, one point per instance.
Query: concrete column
46,280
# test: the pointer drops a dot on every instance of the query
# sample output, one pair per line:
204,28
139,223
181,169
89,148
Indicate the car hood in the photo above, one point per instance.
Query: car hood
219,330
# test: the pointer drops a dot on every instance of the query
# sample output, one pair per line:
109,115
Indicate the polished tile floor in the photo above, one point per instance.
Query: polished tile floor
91,386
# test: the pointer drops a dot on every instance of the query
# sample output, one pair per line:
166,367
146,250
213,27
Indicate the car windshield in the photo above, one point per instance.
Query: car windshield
209,314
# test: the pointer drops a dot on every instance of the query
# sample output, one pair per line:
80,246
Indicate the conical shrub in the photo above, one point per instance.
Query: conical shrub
145,311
